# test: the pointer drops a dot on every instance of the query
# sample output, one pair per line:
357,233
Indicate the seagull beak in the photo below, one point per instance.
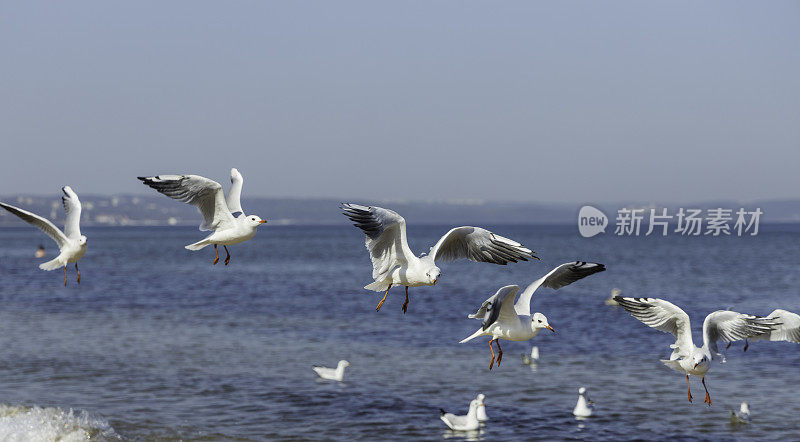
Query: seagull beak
695,365
262,221
434,281
549,328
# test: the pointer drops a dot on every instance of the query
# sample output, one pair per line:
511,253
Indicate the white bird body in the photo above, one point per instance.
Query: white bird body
223,215
742,416
469,422
71,244
504,319
584,407
393,262
333,374
481,414
686,357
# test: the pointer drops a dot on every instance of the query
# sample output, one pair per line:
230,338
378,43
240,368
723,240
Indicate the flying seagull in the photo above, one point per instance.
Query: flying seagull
503,319
393,262
686,357
71,243
222,215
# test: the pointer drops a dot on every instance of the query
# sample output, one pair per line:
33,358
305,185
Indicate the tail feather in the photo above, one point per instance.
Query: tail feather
378,286
473,336
199,245
53,264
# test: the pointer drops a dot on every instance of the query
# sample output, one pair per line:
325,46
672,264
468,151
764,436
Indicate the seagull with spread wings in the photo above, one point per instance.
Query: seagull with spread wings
71,244
686,357
393,262
224,216
504,319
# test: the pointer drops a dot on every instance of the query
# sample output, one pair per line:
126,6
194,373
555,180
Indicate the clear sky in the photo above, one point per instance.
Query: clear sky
533,101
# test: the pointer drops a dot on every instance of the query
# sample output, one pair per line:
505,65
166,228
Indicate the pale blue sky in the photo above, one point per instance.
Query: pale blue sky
535,101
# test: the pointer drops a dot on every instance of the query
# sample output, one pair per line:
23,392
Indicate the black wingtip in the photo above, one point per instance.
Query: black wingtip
442,412
619,298
141,178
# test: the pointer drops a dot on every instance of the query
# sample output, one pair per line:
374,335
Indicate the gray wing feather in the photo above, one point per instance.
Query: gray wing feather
385,236
201,192
479,245
497,306
72,207
729,326
561,276
42,223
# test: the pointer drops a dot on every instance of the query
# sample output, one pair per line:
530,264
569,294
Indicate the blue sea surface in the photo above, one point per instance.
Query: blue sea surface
161,345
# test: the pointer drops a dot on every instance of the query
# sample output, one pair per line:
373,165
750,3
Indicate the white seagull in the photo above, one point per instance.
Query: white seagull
502,319
585,407
686,357
333,374
393,262
742,416
788,330
533,358
222,215
71,243
481,416
469,422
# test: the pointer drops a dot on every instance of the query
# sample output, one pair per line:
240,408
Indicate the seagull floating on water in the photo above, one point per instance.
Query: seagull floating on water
742,416
333,374
533,358
482,417
469,422
585,406
222,215
503,319
686,357
71,243
393,262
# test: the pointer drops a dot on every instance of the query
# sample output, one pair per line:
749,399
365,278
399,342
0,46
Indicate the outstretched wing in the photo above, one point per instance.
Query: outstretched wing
479,245
42,223
565,274
386,237
72,206
662,315
499,306
233,200
788,330
731,326
203,193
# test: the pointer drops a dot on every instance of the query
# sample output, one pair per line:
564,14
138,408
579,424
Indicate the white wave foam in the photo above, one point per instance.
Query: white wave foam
18,423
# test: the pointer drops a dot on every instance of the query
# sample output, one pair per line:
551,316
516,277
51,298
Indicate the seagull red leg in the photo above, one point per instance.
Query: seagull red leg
65,276
378,308
746,344
688,390
405,304
79,272
227,258
708,396
499,352
491,362
216,259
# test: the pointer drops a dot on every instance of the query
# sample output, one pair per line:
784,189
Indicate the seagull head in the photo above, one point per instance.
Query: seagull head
255,221
344,363
539,321
700,360
433,275
82,240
